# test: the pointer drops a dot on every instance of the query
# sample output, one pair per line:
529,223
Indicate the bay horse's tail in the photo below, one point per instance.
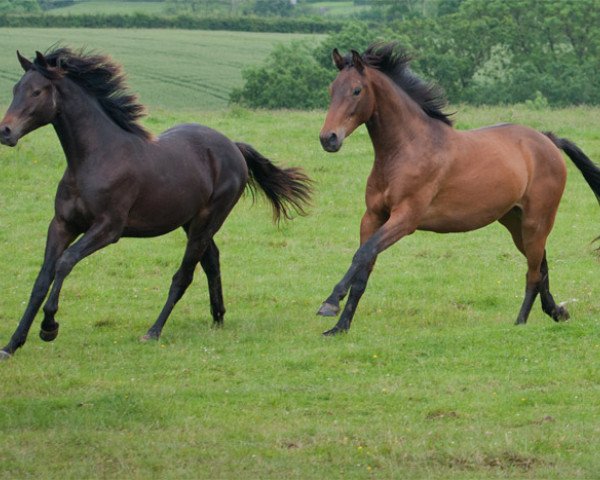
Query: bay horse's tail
589,170
288,189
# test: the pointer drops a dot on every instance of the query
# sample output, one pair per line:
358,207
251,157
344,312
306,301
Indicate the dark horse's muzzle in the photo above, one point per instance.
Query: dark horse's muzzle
7,136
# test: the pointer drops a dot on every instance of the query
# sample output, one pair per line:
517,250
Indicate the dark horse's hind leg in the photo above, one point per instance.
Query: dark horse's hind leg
181,280
212,269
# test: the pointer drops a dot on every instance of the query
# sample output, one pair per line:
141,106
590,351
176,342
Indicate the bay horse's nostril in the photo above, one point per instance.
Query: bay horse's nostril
5,130
330,142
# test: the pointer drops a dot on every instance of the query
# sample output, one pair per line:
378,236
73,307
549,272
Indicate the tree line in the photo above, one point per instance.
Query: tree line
480,52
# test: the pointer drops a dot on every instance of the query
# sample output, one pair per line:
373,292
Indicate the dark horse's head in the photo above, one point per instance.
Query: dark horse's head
34,100
50,78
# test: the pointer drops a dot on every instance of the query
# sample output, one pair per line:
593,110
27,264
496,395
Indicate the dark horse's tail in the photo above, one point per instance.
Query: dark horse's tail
288,189
589,170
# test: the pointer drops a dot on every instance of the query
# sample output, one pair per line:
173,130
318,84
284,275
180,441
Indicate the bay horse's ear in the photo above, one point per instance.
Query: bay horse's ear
357,61
41,60
338,60
26,64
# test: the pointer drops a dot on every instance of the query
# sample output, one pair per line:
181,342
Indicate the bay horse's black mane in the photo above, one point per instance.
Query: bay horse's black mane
102,78
392,60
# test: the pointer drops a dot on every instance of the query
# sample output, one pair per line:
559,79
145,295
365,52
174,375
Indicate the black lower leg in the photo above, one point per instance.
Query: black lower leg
358,288
212,269
556,312
531,293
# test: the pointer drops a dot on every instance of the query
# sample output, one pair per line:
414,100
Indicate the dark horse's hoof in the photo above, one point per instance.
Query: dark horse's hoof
328,310
49,335
149,337
334,331
4,355
560,314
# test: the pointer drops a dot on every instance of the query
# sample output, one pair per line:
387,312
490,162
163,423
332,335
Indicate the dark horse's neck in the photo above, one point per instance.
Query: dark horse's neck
82,126
398,121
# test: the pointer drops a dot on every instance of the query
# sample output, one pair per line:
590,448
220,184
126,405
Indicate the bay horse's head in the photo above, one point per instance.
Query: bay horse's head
34,101
352,101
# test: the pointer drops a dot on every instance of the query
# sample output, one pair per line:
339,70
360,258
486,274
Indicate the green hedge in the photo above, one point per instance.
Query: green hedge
140,20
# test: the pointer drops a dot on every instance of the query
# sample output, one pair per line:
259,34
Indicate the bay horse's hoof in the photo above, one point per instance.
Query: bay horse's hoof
561,314
328,310
4,355
49,335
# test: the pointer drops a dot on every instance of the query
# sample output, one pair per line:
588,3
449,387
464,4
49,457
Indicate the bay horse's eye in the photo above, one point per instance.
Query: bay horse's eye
356,91
36,93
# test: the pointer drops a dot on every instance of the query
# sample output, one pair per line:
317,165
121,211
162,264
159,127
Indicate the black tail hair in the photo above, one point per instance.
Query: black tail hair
589,170
288,189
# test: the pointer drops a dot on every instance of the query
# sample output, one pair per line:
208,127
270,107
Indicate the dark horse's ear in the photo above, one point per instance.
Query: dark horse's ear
357,61
26,64
41,60
338,60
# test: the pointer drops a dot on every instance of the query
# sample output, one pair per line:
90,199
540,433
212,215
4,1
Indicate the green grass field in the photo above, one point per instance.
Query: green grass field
433,380
199,67
110,7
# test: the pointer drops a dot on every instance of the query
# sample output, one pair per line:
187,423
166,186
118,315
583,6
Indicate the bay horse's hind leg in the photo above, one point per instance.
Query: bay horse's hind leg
212,269
531,240
556,312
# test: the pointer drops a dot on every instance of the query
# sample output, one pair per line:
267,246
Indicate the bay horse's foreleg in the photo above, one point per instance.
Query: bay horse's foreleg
212,269
59,237
97,237
401,222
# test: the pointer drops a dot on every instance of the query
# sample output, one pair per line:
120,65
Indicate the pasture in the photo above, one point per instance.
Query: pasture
200,67
433,380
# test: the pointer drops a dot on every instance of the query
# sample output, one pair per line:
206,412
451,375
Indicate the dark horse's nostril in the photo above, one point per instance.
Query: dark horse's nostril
6,131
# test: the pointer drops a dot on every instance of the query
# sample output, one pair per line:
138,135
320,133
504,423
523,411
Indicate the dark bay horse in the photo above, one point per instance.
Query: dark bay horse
120,181
429,176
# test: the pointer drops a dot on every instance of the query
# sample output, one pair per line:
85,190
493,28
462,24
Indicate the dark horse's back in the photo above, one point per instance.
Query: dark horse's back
191,166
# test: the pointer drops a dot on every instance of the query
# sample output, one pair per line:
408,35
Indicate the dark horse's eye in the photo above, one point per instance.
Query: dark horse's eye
36,93
356,91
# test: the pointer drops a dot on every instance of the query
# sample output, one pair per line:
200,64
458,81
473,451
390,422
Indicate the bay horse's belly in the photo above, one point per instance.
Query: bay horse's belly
481,185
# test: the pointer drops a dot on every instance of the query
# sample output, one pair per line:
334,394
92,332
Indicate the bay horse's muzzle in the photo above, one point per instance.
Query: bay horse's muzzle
331,141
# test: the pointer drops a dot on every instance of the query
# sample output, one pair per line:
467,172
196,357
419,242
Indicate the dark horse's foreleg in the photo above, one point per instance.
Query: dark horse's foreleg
212,269
98,236
397,226
59,237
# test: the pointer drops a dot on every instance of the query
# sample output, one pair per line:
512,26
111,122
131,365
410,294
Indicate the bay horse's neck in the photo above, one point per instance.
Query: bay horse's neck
397,121
82,126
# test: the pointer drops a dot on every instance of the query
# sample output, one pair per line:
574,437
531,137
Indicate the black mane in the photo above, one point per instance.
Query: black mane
391,60
104,79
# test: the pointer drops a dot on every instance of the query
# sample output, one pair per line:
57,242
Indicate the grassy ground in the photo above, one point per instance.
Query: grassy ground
199,67
433,381
110,7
